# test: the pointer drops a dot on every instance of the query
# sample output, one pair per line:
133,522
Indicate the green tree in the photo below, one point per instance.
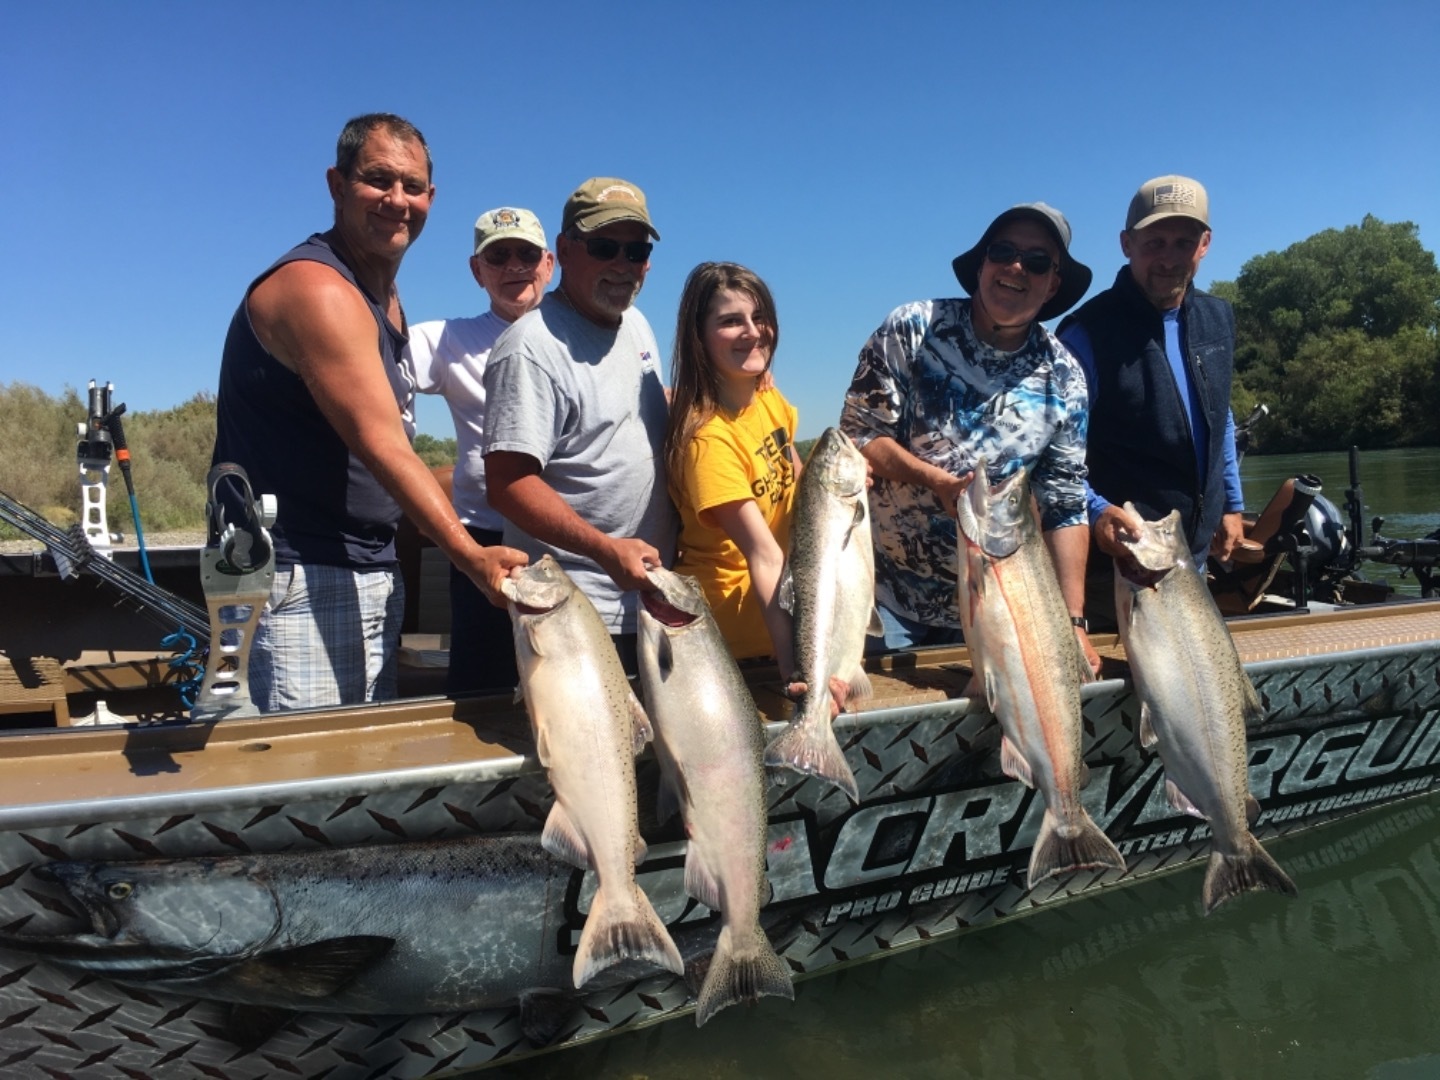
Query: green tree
435,451
1337,333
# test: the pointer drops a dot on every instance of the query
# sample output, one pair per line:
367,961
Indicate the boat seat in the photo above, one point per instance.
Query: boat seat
33,684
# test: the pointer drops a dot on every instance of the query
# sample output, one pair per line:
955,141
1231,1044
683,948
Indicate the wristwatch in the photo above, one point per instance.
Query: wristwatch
1080,621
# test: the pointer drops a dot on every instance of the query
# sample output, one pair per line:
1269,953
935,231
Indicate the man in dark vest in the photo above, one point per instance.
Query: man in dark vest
1158,355
314,406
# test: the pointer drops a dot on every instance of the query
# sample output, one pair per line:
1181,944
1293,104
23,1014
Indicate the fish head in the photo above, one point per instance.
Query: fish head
837,464
996,518
677,601
1159,548
173,907
538,589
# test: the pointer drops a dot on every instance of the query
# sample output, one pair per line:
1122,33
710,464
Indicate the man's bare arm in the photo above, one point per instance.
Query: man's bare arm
515,488
316,324
1069,548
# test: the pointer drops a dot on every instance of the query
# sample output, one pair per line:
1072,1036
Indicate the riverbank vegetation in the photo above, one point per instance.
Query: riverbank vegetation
1337,334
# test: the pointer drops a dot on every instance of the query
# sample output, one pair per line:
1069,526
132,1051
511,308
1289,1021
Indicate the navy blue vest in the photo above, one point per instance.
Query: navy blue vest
1140,447
332,511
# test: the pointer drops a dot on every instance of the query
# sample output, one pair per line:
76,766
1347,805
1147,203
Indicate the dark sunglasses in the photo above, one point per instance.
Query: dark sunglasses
498,255
1034,261
604,249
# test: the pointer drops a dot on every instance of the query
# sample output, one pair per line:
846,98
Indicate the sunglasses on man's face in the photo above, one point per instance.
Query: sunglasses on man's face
1035,261
604,249
500,255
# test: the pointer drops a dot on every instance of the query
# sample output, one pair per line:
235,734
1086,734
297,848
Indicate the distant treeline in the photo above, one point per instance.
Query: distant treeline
1337,334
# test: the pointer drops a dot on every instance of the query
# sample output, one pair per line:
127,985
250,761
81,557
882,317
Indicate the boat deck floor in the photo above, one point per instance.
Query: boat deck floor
39,767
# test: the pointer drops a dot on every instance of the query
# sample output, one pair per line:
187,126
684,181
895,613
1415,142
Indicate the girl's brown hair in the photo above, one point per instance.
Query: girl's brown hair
694,385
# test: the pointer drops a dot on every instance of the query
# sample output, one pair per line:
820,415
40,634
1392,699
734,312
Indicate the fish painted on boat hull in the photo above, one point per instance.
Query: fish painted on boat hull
1024,651
710,742
828,586
1195,703
588,727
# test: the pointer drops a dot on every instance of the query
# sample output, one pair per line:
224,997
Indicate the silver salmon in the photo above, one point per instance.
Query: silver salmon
588,728
1024,650
828,586
1195,700
710,742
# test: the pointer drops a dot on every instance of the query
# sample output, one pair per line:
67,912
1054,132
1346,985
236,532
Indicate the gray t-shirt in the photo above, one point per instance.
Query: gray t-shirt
587,403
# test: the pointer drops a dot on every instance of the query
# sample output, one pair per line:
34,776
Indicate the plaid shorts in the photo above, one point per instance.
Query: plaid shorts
328,636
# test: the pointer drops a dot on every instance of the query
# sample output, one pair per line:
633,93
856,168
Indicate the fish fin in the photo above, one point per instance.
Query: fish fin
642,850
786,592
877,626
641,732
674,790
317,970
543,1014
1148,738
742,971
533,635
518,696
1084,780
859,683
808,745
855,522
542,745
1250,704
1252,810
1013,763
563,840
249,1027
1253,869
699,881
665,656
622,925
1062,848
992,690
1178,800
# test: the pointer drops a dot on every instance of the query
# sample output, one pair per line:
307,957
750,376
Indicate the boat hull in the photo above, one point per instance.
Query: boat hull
937,846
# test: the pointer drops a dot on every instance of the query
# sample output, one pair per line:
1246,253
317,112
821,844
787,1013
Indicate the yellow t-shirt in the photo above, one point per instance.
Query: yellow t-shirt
745,456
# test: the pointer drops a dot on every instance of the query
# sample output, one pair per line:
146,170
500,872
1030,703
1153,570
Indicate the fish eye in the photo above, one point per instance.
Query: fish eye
120,890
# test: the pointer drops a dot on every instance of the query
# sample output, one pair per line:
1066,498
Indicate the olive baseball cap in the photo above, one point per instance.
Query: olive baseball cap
604,200
1074,275
508,223
1167,197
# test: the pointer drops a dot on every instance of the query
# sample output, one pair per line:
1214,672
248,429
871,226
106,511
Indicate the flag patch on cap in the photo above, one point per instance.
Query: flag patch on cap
1175,195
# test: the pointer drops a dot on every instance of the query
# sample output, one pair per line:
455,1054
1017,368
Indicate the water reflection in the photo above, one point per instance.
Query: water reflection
1133,982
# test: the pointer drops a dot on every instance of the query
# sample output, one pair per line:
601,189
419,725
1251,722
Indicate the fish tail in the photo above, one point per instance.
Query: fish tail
628,930
809,746
742,972
1066,846
1252,869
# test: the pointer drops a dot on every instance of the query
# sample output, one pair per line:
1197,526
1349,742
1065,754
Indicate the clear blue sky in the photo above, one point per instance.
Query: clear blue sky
157,156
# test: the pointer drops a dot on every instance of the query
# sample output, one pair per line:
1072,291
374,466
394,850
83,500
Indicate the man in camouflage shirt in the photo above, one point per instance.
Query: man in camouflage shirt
943,383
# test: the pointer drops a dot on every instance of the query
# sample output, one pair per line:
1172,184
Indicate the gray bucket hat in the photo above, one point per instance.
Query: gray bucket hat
1074,275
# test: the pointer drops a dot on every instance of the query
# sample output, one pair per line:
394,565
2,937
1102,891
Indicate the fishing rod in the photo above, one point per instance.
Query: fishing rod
73,554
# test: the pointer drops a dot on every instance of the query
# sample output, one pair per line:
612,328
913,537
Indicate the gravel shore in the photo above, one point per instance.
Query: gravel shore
175,538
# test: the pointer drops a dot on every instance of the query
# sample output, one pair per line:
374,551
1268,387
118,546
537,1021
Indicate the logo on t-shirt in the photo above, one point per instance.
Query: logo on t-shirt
779,475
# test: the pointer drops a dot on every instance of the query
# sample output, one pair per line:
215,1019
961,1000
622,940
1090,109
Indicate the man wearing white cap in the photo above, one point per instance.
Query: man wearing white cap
577,413
448,357
1158,356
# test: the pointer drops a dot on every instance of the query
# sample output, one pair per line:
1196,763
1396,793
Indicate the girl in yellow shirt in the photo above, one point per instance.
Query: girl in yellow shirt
730,456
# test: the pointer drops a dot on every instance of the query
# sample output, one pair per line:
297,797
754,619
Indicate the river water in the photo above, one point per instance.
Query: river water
1342,982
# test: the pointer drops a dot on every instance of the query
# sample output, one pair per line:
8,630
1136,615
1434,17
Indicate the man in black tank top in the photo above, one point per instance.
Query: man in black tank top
313,405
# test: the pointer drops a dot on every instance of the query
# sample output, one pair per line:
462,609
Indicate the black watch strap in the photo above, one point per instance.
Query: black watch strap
1080,621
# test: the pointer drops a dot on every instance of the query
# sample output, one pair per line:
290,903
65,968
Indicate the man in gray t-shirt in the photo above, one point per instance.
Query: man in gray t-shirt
576,413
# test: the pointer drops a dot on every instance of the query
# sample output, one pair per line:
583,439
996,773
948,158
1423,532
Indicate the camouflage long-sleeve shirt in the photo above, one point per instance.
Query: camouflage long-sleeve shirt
925,380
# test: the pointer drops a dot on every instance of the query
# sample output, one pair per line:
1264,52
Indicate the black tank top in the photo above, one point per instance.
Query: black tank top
332,511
